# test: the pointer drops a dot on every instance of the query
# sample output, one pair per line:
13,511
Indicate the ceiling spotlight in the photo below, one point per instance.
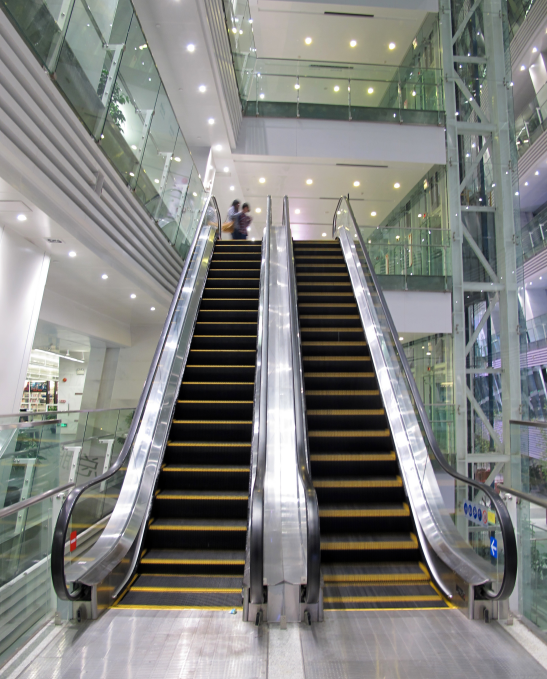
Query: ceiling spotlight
218,147
420,216
413,93
324,235
536,172
232,188
262,95
133,296
226,169
309,182
262,180
534,49
202,88
401,339
21,218
523,67
191,48
336,88
308,41
211,121
133,147
396,185
428,353
525,183
234,30
104,276
373,214
156,181
258,210
392,45
370,90
353,43
72,253
297,86
356,184
152,308
131,174
297,211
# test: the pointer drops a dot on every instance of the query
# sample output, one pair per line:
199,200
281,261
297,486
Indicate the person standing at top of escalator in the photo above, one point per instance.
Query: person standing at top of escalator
242,223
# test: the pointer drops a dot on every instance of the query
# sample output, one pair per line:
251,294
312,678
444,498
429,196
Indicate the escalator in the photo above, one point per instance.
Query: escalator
370,553
193,552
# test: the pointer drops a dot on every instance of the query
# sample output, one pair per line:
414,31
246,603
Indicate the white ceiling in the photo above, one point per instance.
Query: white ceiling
77,278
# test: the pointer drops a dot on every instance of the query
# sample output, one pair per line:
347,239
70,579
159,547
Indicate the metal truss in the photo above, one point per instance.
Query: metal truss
481,180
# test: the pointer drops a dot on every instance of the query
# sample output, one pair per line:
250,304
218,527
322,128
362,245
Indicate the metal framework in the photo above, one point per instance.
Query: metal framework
482,181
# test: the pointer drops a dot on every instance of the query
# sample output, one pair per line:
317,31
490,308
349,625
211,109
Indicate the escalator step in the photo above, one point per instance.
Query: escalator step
386,595
193,561
232,283
205,409
224,356
396,482
226,327
189,583
187,533
226,373
375,572
201,504
211,430
181,600
204,477
360,510
224,342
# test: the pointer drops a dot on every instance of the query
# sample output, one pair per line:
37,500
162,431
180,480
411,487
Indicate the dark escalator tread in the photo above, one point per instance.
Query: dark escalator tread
196,533
203,495
206,583
372,541
354,596
369,510
224,342
375,572
182,600
194,557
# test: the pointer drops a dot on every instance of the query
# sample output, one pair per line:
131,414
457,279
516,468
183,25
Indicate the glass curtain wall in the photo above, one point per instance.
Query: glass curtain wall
100,60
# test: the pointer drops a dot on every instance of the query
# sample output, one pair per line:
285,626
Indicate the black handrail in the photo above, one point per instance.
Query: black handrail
61,527
256,524
506,525
313,586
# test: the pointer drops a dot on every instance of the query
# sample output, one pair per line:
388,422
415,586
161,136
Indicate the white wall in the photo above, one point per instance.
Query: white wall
422,312
23,273
72,390
362,141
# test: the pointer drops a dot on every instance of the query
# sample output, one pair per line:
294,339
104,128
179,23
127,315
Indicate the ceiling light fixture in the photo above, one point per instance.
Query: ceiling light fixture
262,180
262,95
373,214
370,90
353,43
324,235
525,183
396,185
336,88
308,41
133,147
21,218
523,67
297,211
176,159
191,47
104,276
392,45
152,308
258,210
401,339
297,86
133,296
211,121
309,182
226,169
232,188
72,253
356,184
156,181
202,88
534,49
52,353
131,174
536,172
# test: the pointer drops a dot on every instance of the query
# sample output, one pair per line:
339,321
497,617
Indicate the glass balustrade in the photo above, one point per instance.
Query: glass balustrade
38,453
99,58
534,235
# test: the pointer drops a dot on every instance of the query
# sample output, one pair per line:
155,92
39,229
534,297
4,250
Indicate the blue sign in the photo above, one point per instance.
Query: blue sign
474,512
466,508
479,516
493,548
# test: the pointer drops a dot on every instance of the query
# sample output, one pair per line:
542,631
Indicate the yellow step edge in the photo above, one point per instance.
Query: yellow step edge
337,358
379,411
380,580
212,422
350,434
213,383
325,294
221,590
129,607
222,351
380,599
371,546
227,323
342,392
334,344
354,374
224,336
335,457
188,575
202,529
226,402
355,513
331,330
192,562
331,316
397,482
201,498
202,444
220,366
245,470
228,311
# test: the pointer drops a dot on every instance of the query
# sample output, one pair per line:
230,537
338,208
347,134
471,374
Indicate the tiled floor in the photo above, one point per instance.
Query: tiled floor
383,645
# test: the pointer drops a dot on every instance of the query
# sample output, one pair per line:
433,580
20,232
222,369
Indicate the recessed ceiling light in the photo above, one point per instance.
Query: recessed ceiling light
420,216
262,95
218,147
21,218
191,48
428,353
133,147
258,210
262,180
309,182
232,188
308,41
536,172
401,339
104,276
72,253
373,214
370,90
353,43
176,159
211,121
297,211
156,181
226,169
336,88
525,183
152,308
356,184
413,93
534,49
396,185
195,194
202,88
324,235
133,296
523,67
234,30
392,45
131,174
297,86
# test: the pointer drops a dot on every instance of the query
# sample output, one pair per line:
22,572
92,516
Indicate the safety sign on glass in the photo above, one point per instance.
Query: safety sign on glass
478,514
493,548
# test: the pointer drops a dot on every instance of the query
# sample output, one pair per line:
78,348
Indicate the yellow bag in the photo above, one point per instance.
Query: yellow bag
227,227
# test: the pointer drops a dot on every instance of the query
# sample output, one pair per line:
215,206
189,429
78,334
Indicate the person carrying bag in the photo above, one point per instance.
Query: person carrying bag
231,219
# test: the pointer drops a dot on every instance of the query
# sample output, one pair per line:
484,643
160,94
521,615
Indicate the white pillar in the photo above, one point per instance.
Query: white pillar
23,274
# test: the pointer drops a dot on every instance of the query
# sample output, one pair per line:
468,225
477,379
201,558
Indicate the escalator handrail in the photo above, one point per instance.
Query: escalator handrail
256,514
61,526
313,586
506,525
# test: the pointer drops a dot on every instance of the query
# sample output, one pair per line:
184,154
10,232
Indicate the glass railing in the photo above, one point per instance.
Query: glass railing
517,11
531,124
41,457
534,235
342,91
463,520
99,58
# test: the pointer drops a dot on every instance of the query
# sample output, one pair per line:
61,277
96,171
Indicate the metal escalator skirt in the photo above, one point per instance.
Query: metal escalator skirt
133,504
432,517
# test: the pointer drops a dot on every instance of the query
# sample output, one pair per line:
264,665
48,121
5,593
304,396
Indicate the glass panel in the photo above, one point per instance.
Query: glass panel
90,58
41,24
128,124
193,205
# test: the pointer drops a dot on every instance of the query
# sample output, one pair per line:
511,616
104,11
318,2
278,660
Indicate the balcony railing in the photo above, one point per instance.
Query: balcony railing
534,235
531,124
